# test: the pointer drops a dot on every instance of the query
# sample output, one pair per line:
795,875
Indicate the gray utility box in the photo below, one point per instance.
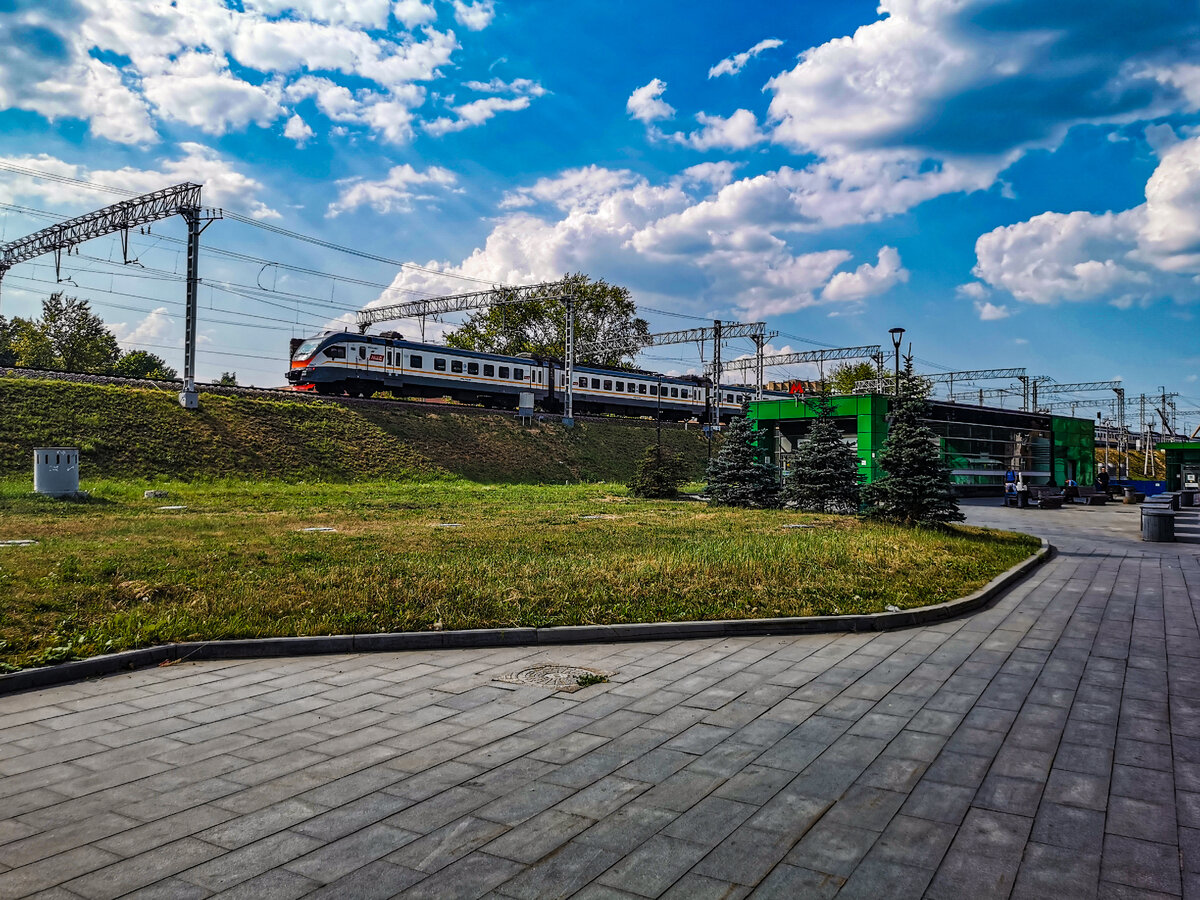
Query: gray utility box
56,470
1158,525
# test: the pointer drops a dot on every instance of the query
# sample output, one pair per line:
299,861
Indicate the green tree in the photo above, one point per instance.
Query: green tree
8,356
607,329
29,345
915,487
824,475
141,364
737,476
659,474
228,379
78,338
845,375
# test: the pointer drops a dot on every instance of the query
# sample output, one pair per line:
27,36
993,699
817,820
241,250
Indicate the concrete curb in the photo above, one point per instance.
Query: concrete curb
62,673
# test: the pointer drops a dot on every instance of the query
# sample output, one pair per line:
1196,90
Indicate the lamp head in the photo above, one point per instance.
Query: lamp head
897,334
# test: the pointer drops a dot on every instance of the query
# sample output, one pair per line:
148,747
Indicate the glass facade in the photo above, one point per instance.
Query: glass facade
979,444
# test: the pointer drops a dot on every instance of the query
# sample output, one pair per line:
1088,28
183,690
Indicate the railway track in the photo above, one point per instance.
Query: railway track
306,396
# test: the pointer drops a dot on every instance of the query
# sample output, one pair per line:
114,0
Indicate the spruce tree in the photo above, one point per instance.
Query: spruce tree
736,475
658,476
915,487
824,475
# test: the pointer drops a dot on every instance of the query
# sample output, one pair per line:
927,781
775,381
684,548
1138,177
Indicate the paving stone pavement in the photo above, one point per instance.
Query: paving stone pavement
1048,746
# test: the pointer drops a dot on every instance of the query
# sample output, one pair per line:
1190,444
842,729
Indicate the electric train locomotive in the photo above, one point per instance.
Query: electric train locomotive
341,362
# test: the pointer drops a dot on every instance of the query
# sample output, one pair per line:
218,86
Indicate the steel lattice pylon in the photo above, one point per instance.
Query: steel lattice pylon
178,200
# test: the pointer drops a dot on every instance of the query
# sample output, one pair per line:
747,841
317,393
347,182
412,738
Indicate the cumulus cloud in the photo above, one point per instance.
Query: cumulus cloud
867,280
1147,253
646,104
737,132
297,130
222,67
223,185
731,65
156,327
608,222
392,194
474,16
990,312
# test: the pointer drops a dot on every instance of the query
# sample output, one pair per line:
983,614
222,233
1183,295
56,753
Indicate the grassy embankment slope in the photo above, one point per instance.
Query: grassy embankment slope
135,433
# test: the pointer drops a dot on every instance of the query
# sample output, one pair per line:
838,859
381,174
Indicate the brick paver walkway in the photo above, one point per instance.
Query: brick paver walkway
1046,747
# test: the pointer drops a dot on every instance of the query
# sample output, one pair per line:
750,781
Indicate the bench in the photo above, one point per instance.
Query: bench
1091,496
1045,497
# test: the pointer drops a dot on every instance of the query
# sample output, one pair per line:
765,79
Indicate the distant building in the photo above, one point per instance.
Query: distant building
978,443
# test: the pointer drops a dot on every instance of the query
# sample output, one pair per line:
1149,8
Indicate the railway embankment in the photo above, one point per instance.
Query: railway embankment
141,432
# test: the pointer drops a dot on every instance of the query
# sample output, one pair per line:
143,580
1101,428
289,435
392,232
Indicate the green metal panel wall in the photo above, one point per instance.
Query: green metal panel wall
1074,448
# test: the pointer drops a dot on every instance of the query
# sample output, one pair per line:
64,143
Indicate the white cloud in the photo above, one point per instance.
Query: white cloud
606,222
219,67
645,103
223,185
198,89
297,130
411,13
867,280
476,112
737,132
731,65
474,16
158,326
391,194
1147,253
716,174
990,312
974,290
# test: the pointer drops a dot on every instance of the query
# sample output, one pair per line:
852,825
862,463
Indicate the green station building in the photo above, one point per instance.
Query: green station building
1183,463
978,443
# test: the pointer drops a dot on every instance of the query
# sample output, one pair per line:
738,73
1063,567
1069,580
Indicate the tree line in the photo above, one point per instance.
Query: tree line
69,337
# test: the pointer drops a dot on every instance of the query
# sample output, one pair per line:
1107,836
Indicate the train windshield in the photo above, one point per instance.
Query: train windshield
307,349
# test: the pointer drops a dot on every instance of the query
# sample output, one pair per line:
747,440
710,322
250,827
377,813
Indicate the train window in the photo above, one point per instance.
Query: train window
632,388
621,386
674,392
729,397
654,390
489,371
335,352
389,357
472,368
683,393
416,362
439,364
362,352
607,385
641,389
583,382
504,371
519,374
456,365
595,384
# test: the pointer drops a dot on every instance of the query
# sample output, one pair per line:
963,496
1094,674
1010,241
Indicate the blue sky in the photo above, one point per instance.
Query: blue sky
1016,183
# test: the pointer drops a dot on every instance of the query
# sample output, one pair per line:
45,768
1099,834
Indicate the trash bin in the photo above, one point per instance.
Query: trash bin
1130,496
1187,497
1158,525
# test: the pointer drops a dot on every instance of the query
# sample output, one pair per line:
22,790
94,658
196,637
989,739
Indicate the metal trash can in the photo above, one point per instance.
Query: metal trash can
1187,497
1158,525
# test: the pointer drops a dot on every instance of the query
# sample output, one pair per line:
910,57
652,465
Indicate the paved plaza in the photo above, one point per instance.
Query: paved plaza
1048,746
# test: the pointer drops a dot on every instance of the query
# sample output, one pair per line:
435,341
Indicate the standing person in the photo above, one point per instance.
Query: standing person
1102,480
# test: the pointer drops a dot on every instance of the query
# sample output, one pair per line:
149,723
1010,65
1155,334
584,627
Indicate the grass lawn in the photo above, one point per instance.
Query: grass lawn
116,572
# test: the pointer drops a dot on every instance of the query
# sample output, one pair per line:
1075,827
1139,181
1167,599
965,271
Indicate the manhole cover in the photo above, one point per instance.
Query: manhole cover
555,677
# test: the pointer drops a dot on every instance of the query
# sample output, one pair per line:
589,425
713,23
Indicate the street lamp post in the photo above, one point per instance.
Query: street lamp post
897,334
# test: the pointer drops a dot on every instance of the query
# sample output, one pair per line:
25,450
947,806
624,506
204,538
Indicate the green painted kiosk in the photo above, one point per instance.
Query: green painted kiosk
979,443
1183,464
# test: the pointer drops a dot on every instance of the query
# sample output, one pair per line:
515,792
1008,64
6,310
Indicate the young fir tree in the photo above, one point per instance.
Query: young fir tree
915,487
824,474
658,475
736,475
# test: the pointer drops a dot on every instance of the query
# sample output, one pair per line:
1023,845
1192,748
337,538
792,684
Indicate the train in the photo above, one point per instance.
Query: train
361,365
